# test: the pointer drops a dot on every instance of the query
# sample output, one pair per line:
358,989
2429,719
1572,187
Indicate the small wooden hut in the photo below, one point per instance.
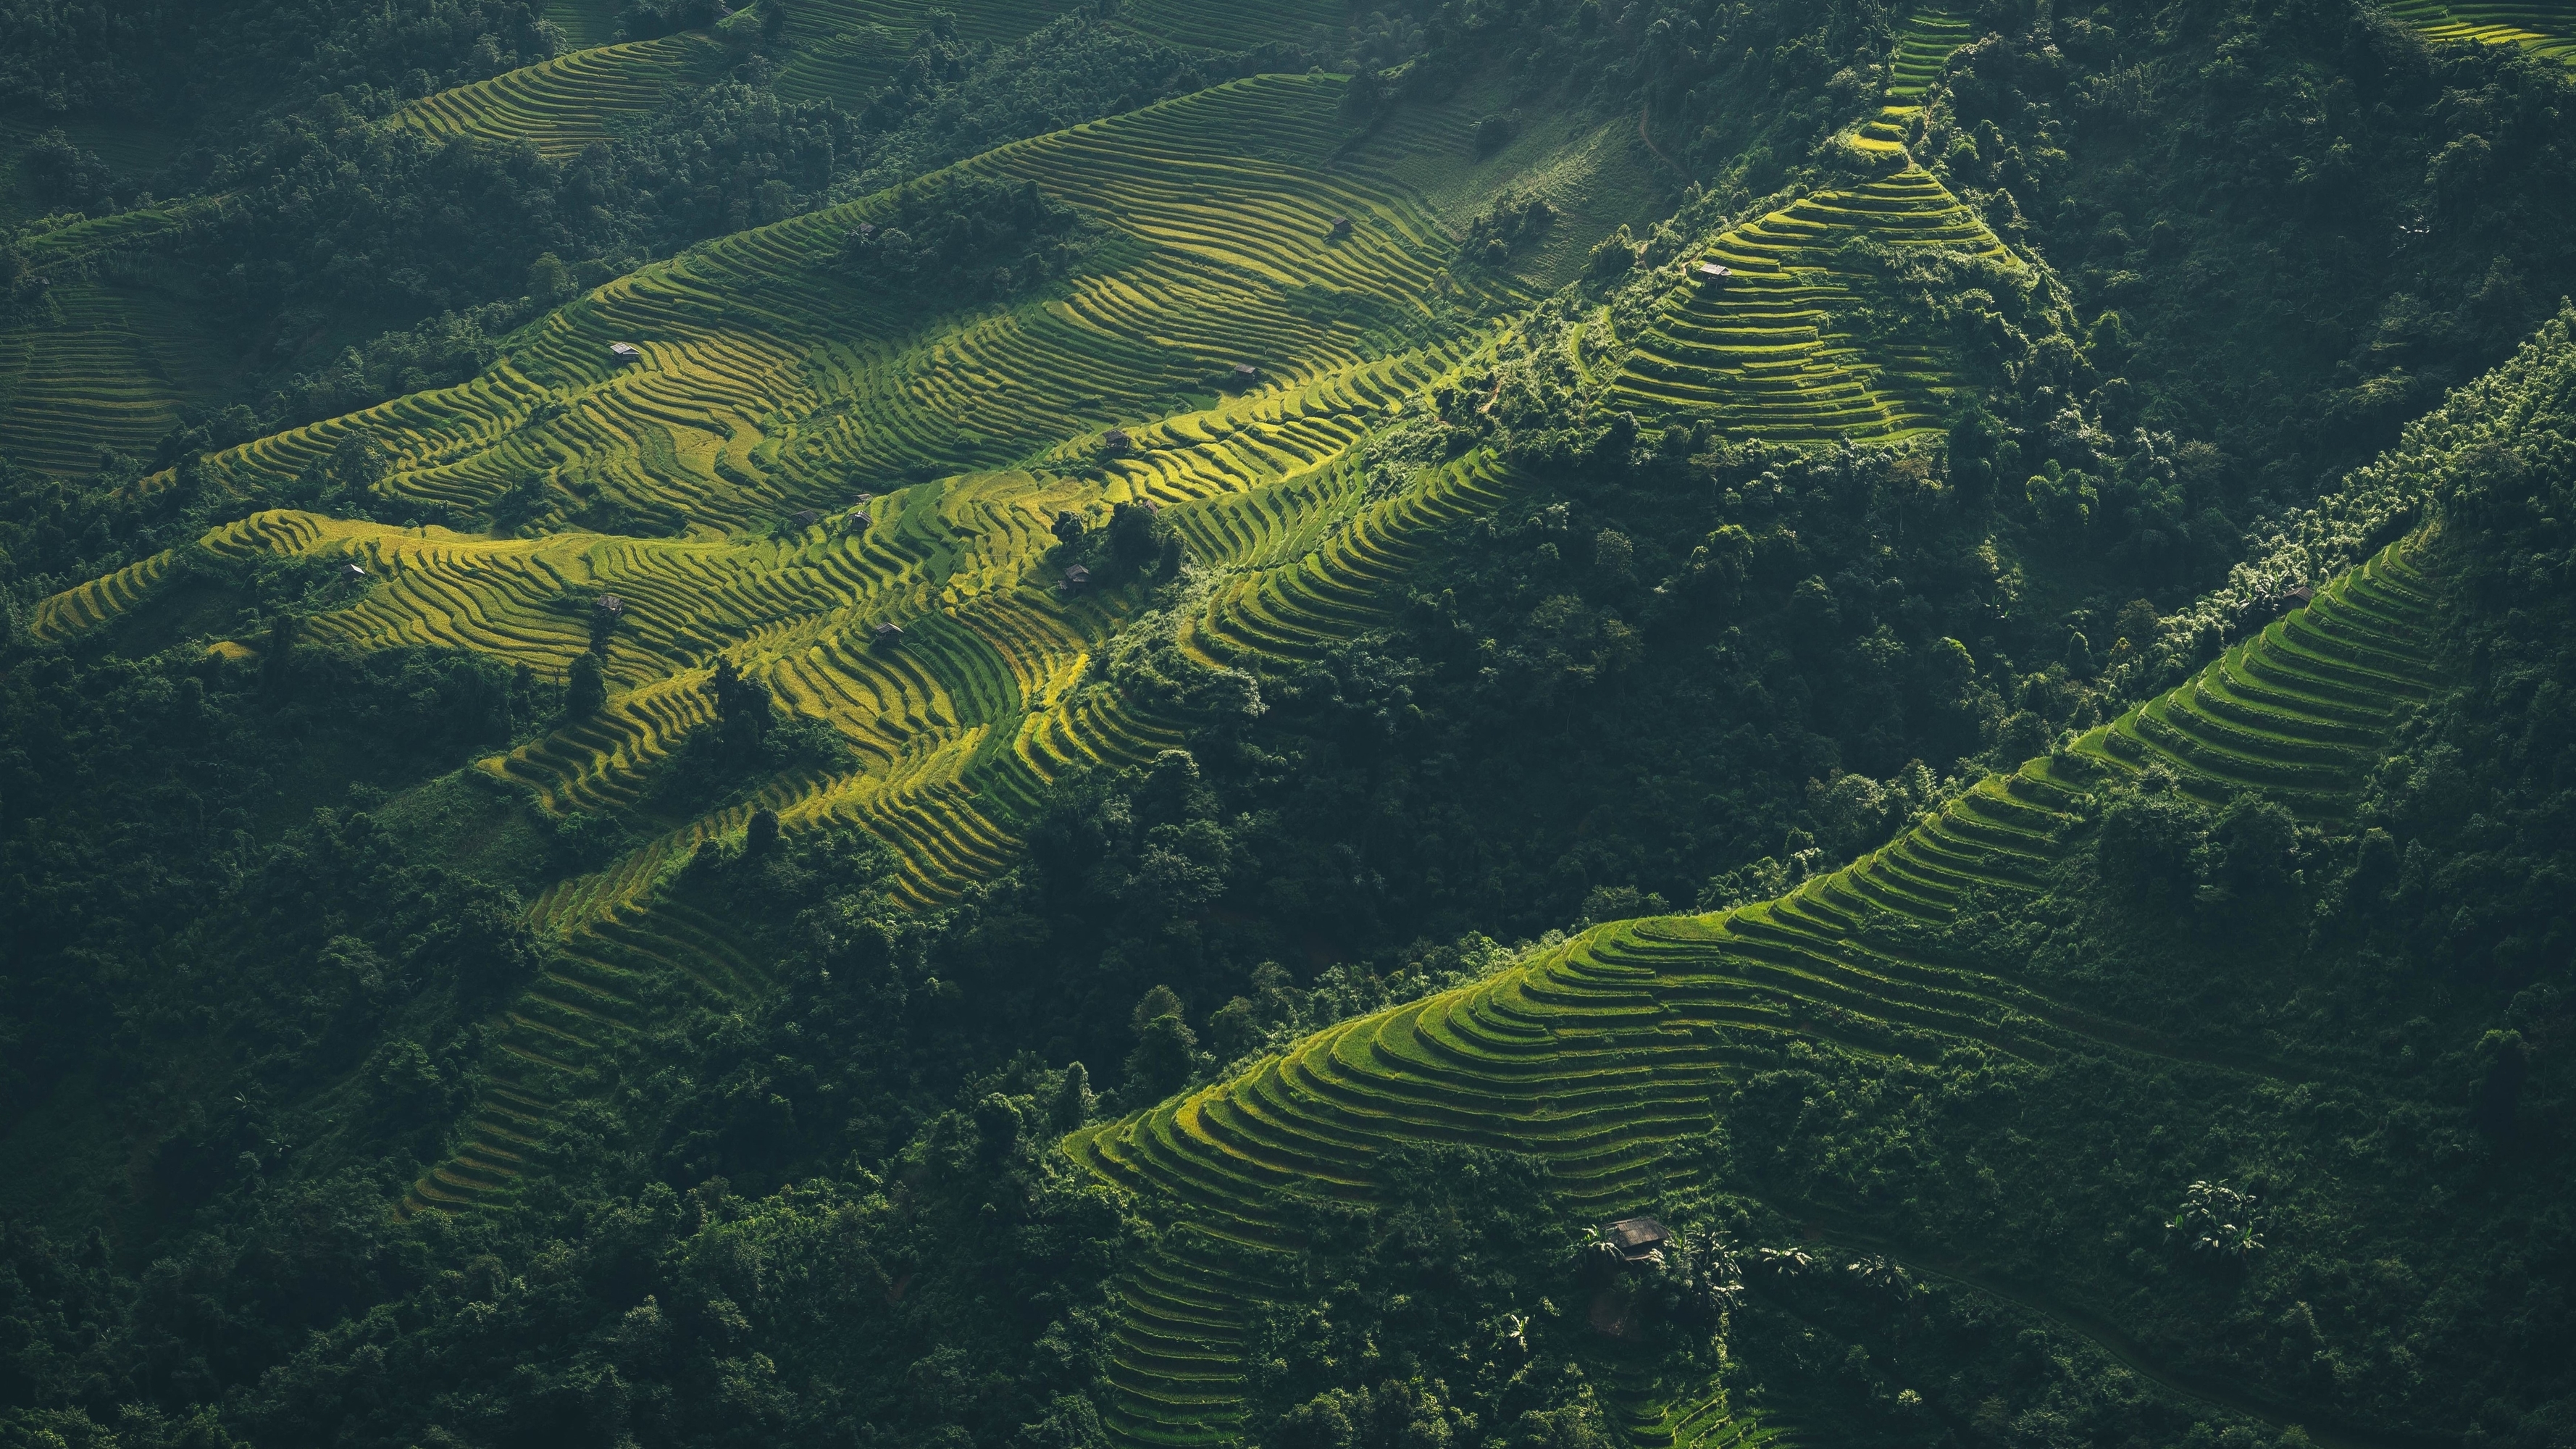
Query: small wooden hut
1637,1238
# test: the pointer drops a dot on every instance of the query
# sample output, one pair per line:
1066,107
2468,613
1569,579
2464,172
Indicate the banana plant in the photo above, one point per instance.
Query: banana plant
2219,1220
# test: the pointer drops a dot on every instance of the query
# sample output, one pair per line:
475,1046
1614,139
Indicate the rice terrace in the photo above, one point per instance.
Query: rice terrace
1532,724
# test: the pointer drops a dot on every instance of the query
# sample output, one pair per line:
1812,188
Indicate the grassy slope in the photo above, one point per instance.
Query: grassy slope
772,383
1780,349
1604,1055
105,366
2546,27
122,359
836,49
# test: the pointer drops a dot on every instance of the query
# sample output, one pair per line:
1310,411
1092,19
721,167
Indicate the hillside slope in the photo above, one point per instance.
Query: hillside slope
571,904
1611,1056
940,630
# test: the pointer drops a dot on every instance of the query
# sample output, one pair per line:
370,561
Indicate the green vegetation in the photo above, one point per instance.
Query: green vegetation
2543,29
945,740
1763,351
565,105
601,157
96,370
837,722
1603,1057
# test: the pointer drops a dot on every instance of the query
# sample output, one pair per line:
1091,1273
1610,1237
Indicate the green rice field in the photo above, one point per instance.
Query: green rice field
769,384
1603,1054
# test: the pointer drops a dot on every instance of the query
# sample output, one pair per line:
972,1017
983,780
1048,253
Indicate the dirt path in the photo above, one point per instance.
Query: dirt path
1643,112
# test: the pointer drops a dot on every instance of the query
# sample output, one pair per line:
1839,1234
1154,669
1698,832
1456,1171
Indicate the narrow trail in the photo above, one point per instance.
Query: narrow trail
1644,114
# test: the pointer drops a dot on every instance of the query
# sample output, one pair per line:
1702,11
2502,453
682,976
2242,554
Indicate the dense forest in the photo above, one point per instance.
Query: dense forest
1073,725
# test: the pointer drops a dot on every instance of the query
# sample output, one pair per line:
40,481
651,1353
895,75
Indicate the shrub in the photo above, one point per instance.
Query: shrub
586,689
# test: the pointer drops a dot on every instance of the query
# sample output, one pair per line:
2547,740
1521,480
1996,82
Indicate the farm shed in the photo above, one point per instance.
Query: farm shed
805,517
1077,577
888,633
1341,226
625,352
1711,272
1636,1237
1116,440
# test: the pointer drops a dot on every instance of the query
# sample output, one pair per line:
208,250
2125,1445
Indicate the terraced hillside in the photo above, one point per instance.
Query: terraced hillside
771,381
584,23
1780,349
102,368
1226,27
1924,44
2545,27
567,103
842,49
1602,1055
837,49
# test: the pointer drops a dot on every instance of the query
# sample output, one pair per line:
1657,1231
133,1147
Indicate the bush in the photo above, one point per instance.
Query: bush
586,688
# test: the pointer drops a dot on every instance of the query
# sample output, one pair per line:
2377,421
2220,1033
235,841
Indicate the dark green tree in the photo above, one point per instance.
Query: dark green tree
585,689
743,706
1166,1049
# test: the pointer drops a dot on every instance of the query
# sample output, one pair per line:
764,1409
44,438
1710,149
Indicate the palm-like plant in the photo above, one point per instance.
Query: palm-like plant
1598,1246
1879,1275
2218,1220
1700,1276
1787,1260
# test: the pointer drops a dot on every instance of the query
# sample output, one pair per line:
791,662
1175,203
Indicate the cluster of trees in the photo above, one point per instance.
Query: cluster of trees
952,236
1508,225
218,66
2283,230
1681,672
2308,220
